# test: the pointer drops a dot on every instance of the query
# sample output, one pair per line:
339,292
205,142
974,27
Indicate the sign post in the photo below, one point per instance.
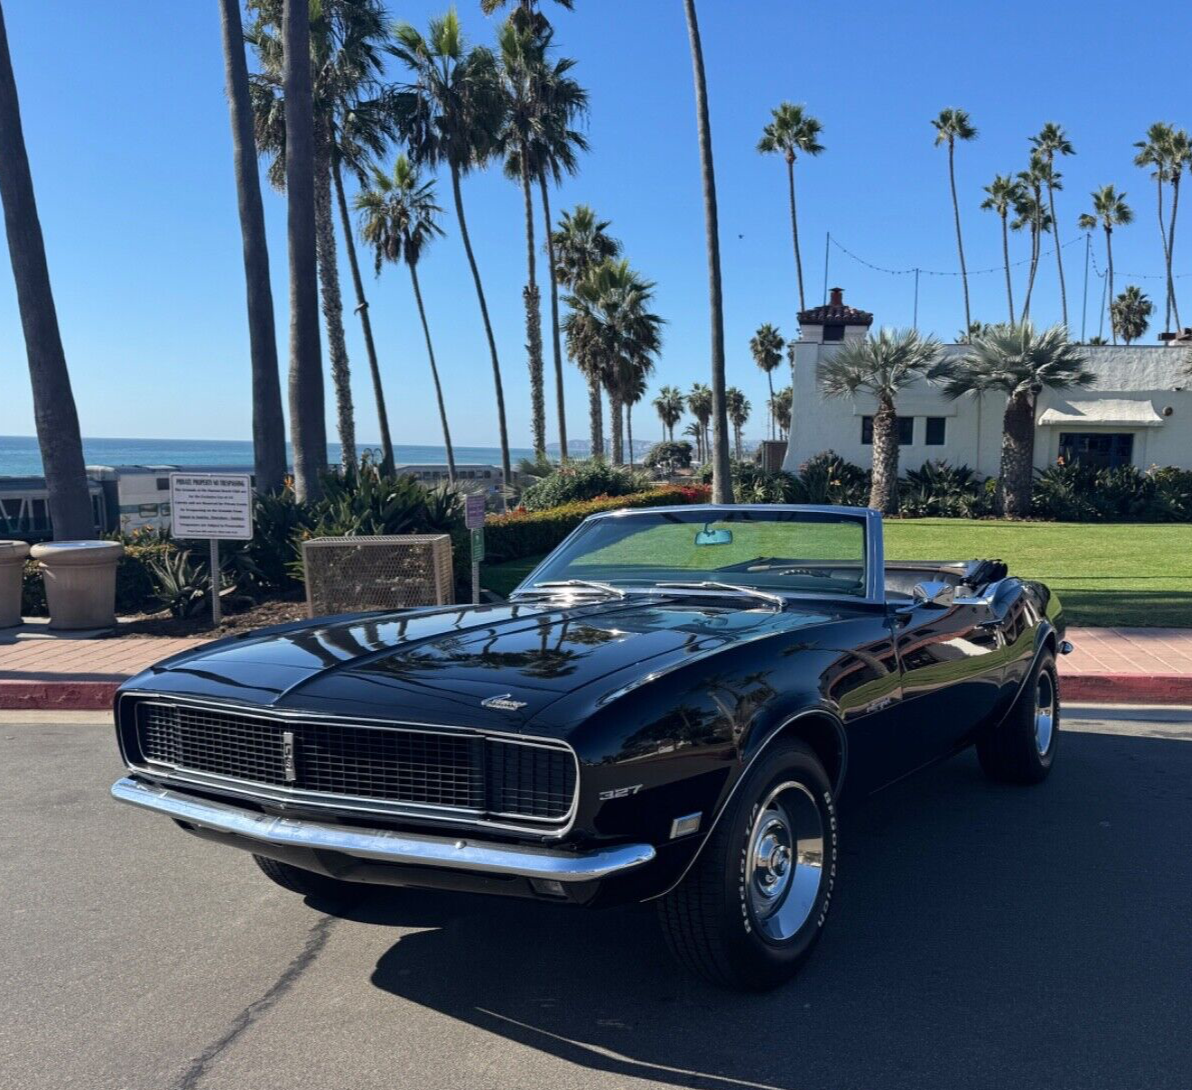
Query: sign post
217,506
474,520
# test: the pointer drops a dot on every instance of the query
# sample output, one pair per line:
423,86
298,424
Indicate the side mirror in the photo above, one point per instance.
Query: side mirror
935,593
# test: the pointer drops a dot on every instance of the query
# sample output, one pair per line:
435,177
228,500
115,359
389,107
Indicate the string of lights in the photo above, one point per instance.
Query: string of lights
939,272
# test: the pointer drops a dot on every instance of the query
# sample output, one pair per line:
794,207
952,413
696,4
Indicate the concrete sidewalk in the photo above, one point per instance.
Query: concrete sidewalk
1109,666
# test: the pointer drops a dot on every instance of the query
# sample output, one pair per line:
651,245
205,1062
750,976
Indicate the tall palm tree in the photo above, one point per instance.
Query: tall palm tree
1130,313
54,411
1109,211
951,125
451,114
1050,141
792,130
1181,157
781,405
697,433
669,405
633,390
525,11
1167,150
738,414
580,243
1020,362
881,365
766,347
1033,215
399,219
1004,193
699,404
268,420
722,480
308,432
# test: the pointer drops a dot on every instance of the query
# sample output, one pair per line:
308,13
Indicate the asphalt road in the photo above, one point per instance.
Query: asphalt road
983,937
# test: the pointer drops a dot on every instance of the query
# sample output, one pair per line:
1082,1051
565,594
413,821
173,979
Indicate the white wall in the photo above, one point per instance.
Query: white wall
974,425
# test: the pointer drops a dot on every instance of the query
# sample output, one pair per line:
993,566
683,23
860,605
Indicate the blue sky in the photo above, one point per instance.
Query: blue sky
128,135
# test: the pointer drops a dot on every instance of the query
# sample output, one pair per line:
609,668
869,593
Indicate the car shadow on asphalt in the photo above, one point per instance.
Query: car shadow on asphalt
984,936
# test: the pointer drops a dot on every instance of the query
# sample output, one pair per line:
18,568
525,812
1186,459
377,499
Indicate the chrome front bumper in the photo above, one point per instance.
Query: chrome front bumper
382,845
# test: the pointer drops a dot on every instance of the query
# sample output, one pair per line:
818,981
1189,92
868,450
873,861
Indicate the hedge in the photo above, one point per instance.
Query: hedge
529,533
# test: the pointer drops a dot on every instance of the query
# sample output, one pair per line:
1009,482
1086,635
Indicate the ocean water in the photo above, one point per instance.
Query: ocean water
19,454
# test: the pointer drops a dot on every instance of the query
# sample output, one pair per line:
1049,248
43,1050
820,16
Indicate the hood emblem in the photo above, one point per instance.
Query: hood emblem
503,703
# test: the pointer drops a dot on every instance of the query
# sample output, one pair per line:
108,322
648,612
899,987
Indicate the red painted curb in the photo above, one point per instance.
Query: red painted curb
65,695
1126,688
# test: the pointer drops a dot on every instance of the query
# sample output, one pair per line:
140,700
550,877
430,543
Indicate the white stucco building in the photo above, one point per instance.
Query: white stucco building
1139,411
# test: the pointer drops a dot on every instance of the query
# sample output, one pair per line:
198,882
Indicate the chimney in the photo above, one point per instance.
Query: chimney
836,297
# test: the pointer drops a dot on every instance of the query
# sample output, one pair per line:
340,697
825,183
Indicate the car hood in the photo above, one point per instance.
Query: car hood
440,666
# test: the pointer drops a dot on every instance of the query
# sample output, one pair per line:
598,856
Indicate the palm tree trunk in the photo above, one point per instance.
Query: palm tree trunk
506,468
1175,207
1006,259
54,411
629,430
1163,241
737,440
1018,454
333,307
1059,260
968,318
533,321
595,418
883,489
268,420
434,372
374,368
560,405
308,430
617,421
722,482
1109,264
790,177
1030,280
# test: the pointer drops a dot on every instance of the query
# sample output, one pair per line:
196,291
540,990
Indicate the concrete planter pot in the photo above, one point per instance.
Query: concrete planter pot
80,579
12,570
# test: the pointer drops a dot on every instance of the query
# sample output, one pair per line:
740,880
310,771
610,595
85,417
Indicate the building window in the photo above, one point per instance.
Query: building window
163,484
937,430
1102,450
833,333
906,430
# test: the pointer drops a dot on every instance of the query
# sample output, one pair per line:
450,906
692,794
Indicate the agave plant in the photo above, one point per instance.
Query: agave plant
180,587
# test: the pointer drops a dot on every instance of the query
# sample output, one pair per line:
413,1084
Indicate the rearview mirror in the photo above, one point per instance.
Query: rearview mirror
714,537
934,593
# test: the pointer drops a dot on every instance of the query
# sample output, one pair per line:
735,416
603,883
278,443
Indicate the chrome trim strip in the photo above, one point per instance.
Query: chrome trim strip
545,827
383,845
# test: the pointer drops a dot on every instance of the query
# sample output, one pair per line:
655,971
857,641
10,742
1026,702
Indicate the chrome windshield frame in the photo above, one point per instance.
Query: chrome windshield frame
871,522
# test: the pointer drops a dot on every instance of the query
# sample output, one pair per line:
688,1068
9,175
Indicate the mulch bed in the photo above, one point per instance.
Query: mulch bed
236,619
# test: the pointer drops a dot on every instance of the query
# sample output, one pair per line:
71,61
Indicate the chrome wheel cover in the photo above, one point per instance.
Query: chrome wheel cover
784,861
1044,712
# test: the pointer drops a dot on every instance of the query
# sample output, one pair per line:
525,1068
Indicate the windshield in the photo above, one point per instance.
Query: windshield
784,551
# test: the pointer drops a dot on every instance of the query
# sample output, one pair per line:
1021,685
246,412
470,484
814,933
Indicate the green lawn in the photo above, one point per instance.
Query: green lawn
1106,574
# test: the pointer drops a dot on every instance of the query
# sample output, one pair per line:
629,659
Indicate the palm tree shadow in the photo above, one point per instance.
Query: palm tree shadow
985,936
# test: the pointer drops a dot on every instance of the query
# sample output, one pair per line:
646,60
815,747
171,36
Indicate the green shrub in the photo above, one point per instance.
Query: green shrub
178,585
278,519
135,584
528,533
667,457
938,489
1079,493
753,484
828,478
33,592
577,481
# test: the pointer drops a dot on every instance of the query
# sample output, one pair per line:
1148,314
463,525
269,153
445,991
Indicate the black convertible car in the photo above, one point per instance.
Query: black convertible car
670,708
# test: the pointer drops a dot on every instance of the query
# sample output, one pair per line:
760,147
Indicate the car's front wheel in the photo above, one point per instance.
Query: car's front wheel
306,883
1021,749
754,903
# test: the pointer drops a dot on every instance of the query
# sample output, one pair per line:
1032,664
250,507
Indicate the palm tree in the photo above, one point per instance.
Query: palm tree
697,433
526,12
308,434
580,243
791,131
633,389
1181,156
881,365
1167,150
699,404
268,420
399,219
1051,141
451,114
722,481
781,405
952,125
766,347
612,334
1109,210
1004,193
53,402
1020,362
1130,313
1032,214
738,413
669,405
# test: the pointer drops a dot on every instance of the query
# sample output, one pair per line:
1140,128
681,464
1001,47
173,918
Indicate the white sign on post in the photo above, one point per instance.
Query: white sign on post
217,506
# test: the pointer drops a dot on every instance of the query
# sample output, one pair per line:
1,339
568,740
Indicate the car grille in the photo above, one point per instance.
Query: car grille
407,767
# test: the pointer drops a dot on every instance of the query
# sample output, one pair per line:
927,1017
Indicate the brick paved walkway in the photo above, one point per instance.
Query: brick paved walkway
1113,665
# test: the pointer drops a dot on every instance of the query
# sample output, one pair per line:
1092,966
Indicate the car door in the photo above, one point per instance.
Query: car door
951,662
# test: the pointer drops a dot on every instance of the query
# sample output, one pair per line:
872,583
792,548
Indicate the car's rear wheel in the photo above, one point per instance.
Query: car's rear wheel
307,883
752,906
1021,749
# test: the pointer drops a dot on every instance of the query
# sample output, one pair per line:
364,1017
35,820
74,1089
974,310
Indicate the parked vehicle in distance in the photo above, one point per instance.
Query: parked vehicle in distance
670,708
